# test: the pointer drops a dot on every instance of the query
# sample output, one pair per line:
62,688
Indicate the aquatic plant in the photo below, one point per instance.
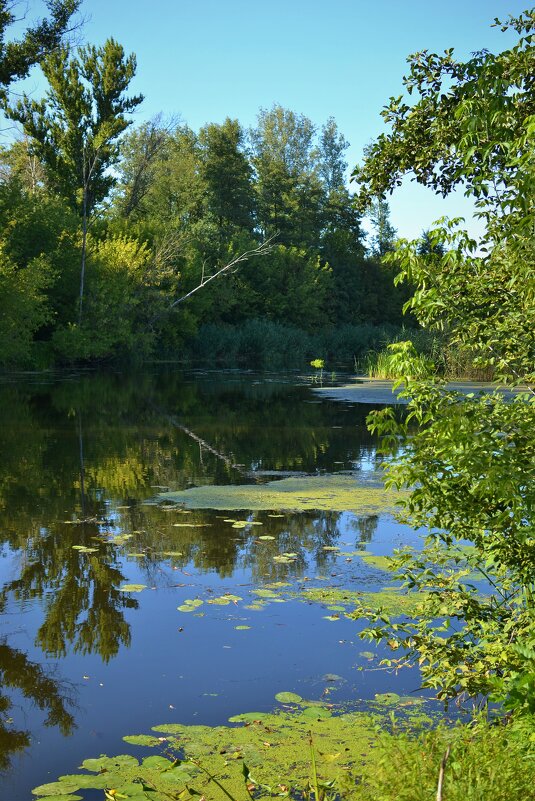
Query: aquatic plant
304,750
333,492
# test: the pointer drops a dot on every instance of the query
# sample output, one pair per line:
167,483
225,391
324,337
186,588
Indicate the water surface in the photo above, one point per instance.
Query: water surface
83,662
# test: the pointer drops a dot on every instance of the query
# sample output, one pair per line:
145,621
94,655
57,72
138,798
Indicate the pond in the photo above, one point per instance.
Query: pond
121,609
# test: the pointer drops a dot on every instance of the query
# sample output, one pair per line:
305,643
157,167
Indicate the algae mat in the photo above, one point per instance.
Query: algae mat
269,751
334,493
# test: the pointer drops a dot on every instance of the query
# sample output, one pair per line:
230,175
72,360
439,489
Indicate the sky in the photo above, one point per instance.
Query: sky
206,60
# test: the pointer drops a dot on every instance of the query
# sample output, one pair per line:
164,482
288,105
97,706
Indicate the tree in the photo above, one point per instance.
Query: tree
287,182
141,153
384,232
75,128
17,57
428,246
227,175
470,464
332,162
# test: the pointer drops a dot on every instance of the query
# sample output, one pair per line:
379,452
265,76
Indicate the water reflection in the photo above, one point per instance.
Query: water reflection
47,693
79,459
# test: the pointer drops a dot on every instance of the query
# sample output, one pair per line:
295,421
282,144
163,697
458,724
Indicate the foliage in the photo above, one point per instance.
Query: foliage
390,363
23,307
19,55
305,751
74,128
263,344
114,320
194,200
481,761
384,235
470,463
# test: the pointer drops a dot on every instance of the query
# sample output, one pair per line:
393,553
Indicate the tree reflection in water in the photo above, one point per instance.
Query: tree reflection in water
80,457
48,693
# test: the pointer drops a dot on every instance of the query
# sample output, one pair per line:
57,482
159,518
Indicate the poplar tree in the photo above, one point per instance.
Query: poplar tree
75,128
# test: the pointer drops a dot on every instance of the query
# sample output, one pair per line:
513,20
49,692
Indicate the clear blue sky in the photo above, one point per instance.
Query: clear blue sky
209,59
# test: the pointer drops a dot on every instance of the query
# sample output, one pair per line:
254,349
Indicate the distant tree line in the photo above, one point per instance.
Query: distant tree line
104,227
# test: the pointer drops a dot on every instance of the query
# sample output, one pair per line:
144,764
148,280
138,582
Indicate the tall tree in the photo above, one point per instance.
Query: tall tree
141,153
287,183
227,175
384,232
332,162
39,40
75,128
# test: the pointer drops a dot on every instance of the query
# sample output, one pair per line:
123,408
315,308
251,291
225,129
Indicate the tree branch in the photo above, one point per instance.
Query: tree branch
261,250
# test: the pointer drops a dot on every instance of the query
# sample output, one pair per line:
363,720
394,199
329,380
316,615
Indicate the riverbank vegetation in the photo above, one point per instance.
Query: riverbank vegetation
470,460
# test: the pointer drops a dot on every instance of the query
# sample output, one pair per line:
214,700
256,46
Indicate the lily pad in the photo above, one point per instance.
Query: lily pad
247,717
263,593
288,698
190,605
69,797
133,587
315,713
142,739
387,699
224,600
55,789
105,763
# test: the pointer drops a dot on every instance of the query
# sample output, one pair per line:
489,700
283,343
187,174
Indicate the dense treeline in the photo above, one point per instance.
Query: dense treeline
104,229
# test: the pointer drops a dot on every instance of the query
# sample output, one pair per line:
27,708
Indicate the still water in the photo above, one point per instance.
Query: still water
84,662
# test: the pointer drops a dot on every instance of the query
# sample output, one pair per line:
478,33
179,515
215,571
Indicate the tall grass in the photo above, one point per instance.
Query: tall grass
263,344
266,345
485,762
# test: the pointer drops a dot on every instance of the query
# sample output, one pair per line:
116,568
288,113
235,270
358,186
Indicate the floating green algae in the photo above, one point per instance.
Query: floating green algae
392,600
380,562
268,749
334,492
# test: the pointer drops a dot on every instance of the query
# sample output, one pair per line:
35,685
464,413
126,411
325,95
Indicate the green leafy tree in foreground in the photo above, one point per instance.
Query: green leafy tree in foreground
470,466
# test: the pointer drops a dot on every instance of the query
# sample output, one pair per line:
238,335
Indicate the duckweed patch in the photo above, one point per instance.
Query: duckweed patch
392,600
380,562
334,492
364,755
270,750
338,601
